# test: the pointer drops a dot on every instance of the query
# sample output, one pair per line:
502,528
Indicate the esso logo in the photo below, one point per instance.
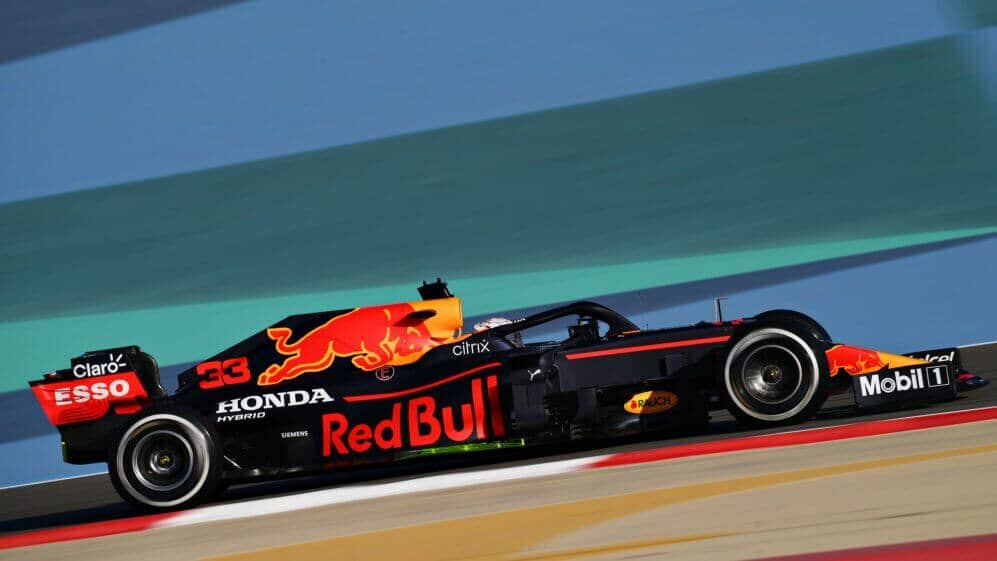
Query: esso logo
385,373
98,391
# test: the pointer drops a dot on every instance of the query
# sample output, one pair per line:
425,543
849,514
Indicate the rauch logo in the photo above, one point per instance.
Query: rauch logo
651,402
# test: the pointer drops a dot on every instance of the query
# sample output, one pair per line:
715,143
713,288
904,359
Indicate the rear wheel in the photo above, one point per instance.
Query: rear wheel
775,375
164,461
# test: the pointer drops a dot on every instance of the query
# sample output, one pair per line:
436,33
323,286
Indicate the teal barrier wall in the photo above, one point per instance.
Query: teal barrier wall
856,154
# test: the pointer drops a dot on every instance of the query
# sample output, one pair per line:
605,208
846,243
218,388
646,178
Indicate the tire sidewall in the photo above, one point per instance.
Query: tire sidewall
814,374
205,474
798,320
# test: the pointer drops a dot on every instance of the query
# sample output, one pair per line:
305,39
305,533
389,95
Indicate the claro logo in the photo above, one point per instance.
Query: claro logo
651,402
418,422
114,365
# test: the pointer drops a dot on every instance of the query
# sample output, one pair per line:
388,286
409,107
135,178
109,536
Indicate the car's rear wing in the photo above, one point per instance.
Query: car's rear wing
92,397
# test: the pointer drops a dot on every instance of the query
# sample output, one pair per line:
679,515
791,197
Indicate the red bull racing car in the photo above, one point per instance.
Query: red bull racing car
326,390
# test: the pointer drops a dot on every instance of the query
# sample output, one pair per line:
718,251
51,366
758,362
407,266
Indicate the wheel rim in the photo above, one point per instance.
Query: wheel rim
783,411
201,463
162,460
772,374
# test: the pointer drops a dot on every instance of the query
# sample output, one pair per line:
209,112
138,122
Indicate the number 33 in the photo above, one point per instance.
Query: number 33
217,373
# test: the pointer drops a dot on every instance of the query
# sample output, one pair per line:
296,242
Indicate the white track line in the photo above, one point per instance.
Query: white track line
55,480
340,495
860,420
976,344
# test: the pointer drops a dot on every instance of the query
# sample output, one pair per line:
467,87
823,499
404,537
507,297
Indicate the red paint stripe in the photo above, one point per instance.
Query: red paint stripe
81,531
809,436
410,391
477,398
644,348
972,548
495,407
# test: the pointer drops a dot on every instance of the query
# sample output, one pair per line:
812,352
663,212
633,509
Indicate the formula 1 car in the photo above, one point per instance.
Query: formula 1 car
326,390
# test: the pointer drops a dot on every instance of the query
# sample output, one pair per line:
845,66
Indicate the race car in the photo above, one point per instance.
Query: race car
327,390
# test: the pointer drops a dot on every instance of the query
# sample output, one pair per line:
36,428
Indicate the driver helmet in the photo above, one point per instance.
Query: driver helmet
514,338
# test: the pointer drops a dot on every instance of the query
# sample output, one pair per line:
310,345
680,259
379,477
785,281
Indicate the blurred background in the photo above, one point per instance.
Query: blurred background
179,174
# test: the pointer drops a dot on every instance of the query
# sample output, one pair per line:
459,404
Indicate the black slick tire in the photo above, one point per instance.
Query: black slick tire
776,373
164,460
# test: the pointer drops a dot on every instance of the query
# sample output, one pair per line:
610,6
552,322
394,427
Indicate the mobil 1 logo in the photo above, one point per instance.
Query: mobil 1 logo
929,382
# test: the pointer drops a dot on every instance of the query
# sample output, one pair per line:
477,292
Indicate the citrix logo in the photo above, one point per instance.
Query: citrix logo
468,348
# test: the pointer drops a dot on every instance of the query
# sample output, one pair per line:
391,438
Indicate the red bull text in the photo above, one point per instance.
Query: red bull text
419,422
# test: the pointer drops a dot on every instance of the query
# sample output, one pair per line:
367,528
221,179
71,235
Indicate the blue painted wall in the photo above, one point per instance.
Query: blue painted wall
260,79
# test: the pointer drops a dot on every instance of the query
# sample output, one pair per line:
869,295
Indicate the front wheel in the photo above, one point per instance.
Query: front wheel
775,375
163,461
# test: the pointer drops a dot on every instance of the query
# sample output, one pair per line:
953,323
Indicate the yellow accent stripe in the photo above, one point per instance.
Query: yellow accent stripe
505,535
900,361
574,553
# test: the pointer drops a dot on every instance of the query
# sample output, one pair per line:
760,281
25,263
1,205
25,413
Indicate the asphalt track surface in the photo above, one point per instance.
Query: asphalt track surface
91,498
